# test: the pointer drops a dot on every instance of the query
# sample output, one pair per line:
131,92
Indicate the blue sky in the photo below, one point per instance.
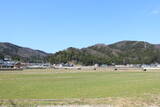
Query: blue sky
53,25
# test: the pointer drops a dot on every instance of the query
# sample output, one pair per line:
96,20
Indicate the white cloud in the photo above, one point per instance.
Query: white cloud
155,12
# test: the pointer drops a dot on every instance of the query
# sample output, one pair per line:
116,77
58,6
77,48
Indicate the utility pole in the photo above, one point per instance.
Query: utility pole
145,45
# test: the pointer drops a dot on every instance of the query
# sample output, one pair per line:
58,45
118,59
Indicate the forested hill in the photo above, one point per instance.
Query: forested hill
21,53
124,52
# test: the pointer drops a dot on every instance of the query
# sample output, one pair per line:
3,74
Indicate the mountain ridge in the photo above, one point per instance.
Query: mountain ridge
21,53
122,52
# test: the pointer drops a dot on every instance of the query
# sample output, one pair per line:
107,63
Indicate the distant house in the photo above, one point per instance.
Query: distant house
18,65
7,58
7,62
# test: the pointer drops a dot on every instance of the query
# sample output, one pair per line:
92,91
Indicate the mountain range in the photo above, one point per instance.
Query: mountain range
123,52
21,53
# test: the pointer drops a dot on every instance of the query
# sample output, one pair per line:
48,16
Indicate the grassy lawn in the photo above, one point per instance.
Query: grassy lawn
38,84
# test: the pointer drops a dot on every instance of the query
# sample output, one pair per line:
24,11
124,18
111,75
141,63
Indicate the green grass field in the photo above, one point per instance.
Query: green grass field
58,84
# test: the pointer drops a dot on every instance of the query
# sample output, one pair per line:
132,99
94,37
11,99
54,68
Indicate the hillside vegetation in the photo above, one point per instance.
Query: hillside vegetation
21,53
124,52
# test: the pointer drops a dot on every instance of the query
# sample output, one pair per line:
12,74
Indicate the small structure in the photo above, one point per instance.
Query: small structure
7,58
7,64
96,65
18,65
